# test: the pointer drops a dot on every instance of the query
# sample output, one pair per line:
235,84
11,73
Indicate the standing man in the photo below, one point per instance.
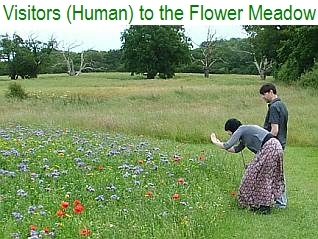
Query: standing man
276,123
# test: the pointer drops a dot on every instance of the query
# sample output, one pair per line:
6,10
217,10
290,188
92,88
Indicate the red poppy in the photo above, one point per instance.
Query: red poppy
100,168
233,194
149,194
76,202
65,204
181,181
33,227
46,229
84,232
176,196
201,157
60,213
79,208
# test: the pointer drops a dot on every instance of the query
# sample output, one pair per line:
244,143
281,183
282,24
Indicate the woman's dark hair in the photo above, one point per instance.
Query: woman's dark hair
267,88
232,125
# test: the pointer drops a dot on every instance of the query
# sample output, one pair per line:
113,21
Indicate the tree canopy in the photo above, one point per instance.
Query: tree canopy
288,53
155,49
293,49
25,57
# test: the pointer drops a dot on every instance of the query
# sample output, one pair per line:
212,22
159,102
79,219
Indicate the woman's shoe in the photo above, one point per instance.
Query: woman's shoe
264,210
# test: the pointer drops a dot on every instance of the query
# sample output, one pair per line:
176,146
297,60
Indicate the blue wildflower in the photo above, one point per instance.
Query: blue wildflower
22,193
17,216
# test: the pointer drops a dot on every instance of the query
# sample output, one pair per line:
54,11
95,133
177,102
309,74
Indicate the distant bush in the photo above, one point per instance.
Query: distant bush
3,69
16,91
310,77
288,72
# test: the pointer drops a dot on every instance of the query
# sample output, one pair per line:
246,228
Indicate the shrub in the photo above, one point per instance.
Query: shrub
16,91
288,72
310,78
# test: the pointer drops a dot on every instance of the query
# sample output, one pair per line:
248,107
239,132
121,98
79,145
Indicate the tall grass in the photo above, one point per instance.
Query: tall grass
43,154
186,108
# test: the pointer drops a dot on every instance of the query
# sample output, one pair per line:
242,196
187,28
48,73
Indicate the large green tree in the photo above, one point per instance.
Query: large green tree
25,58
292,49
298,53
265,41
155,49
231,56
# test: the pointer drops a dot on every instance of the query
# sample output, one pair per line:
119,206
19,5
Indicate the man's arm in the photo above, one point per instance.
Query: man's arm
274,129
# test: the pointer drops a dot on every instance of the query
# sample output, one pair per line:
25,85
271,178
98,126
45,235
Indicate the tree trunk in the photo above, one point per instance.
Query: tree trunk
151,75
206,72
262,74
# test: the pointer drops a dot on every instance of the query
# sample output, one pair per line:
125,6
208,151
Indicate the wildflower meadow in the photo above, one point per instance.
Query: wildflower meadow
108,155
66,184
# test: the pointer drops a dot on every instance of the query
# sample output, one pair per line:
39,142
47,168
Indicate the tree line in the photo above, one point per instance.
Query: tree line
288,53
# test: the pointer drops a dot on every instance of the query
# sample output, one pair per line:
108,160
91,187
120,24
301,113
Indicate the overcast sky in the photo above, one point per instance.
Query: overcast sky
109,37
37,18
73,21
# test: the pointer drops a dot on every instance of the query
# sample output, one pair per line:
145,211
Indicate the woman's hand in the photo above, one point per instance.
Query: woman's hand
214,139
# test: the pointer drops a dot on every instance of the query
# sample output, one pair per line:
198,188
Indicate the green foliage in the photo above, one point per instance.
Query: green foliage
299,50
193,67
99,61
154,49
109,60
231,57
3,68
16,91
165,50
293,49
288,72
310,78
25,57
265,40
235,55
22,64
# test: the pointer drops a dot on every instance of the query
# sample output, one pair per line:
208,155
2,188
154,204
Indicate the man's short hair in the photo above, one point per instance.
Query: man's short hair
267,88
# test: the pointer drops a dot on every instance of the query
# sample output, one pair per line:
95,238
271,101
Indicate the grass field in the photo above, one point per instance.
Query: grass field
185,109
110,156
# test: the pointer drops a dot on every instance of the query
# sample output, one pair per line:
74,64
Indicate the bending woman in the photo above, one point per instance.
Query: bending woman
263,181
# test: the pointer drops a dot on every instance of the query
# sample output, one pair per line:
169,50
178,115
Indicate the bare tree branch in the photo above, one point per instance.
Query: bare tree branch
66,52
207,49
263,65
